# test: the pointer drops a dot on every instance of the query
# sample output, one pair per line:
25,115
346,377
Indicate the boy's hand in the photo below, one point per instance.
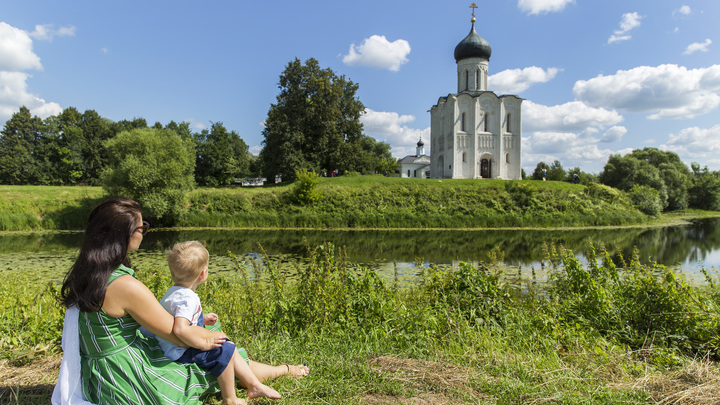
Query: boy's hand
210,319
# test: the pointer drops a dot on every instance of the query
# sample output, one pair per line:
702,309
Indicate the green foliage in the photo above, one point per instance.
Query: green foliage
646,200
704,192
221,157
154,167
474,293
315,124
625,172
305,190
582,177
598,324
651,167
31,319
639,306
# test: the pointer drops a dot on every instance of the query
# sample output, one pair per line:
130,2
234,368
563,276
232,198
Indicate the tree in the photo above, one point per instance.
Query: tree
221,157
625,172
582,177
315,124
153,166
19,147
95,131
674,173
538,172
375,157
704,192
556,172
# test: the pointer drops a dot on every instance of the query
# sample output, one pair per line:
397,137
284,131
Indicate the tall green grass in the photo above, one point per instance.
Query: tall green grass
381,202
350,202
46,207
582,338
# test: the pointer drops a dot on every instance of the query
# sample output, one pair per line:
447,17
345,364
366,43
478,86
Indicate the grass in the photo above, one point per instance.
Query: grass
459,336
355,202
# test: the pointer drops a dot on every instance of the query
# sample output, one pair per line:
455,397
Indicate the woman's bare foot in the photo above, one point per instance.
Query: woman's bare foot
234,401
263,390
297,371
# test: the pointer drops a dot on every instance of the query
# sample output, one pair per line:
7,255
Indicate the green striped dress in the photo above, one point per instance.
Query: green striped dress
121,366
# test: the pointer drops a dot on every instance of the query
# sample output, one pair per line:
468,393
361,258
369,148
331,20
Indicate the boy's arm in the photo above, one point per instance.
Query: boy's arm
196,336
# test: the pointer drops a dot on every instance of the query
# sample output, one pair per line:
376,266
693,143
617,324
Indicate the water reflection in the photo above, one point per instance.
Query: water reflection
692,246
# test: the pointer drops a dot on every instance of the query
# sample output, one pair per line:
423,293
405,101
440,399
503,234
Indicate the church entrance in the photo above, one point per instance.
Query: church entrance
485,168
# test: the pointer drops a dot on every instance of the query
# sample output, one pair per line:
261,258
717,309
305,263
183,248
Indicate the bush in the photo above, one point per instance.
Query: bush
646,199
154,167
305,190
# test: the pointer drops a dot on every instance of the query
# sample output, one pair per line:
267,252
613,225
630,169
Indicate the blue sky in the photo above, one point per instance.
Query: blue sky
598,77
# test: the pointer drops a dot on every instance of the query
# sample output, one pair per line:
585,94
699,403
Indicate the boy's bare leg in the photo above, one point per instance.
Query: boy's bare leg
247,379
264,371
226,381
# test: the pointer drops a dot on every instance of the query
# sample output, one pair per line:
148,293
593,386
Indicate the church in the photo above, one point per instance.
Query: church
474,133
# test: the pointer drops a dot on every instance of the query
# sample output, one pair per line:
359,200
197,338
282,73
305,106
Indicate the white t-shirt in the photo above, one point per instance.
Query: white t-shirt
184,303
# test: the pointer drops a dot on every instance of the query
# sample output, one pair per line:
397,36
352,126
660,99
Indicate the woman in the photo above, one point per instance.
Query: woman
118,363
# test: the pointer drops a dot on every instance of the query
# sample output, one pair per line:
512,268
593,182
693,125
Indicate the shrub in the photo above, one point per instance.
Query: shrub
154,167
305,190
646,199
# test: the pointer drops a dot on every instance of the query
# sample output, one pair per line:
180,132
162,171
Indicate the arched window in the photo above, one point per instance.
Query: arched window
464,157
507,158
507,123
485,122
467,85
462,122
477,80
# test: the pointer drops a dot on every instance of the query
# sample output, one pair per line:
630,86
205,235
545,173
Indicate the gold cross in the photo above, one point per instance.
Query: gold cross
474,6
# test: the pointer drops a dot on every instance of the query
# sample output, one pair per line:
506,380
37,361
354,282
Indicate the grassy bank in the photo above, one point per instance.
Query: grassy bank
598,334
351,202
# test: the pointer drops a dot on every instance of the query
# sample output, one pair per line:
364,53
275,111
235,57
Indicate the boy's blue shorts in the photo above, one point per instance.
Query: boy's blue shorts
215,360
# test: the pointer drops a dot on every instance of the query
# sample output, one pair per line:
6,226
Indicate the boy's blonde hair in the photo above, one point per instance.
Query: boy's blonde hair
187,260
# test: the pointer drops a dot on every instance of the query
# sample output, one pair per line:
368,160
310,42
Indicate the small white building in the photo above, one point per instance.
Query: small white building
475,133
415,166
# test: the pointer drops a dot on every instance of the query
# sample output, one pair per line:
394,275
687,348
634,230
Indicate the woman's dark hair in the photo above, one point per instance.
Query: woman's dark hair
104,249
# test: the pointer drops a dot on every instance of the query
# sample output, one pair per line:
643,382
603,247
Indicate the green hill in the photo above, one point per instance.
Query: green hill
350,202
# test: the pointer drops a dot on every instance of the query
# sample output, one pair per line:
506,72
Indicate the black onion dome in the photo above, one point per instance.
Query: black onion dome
420,143
473,46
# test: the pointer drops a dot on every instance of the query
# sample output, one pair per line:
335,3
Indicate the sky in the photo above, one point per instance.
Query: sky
597,77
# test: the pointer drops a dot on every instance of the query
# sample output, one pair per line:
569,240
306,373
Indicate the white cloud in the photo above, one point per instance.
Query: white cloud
697,46
614,134
48,32
14,94
16,55
390,127
627,23
198,125
695,143
255,150
378,52
667,91
513,81
16,50
571,116
684,10
543,6
571,149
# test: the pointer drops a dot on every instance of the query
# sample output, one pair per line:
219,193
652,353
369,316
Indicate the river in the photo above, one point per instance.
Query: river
690,247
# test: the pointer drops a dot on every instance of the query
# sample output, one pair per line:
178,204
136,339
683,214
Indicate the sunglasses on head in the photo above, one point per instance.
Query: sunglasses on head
144,228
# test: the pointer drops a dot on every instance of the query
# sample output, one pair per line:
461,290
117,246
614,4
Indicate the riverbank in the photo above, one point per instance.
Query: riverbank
353,202
459,336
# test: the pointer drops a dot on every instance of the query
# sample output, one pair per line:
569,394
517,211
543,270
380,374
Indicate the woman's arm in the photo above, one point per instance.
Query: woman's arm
188,334
128,296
